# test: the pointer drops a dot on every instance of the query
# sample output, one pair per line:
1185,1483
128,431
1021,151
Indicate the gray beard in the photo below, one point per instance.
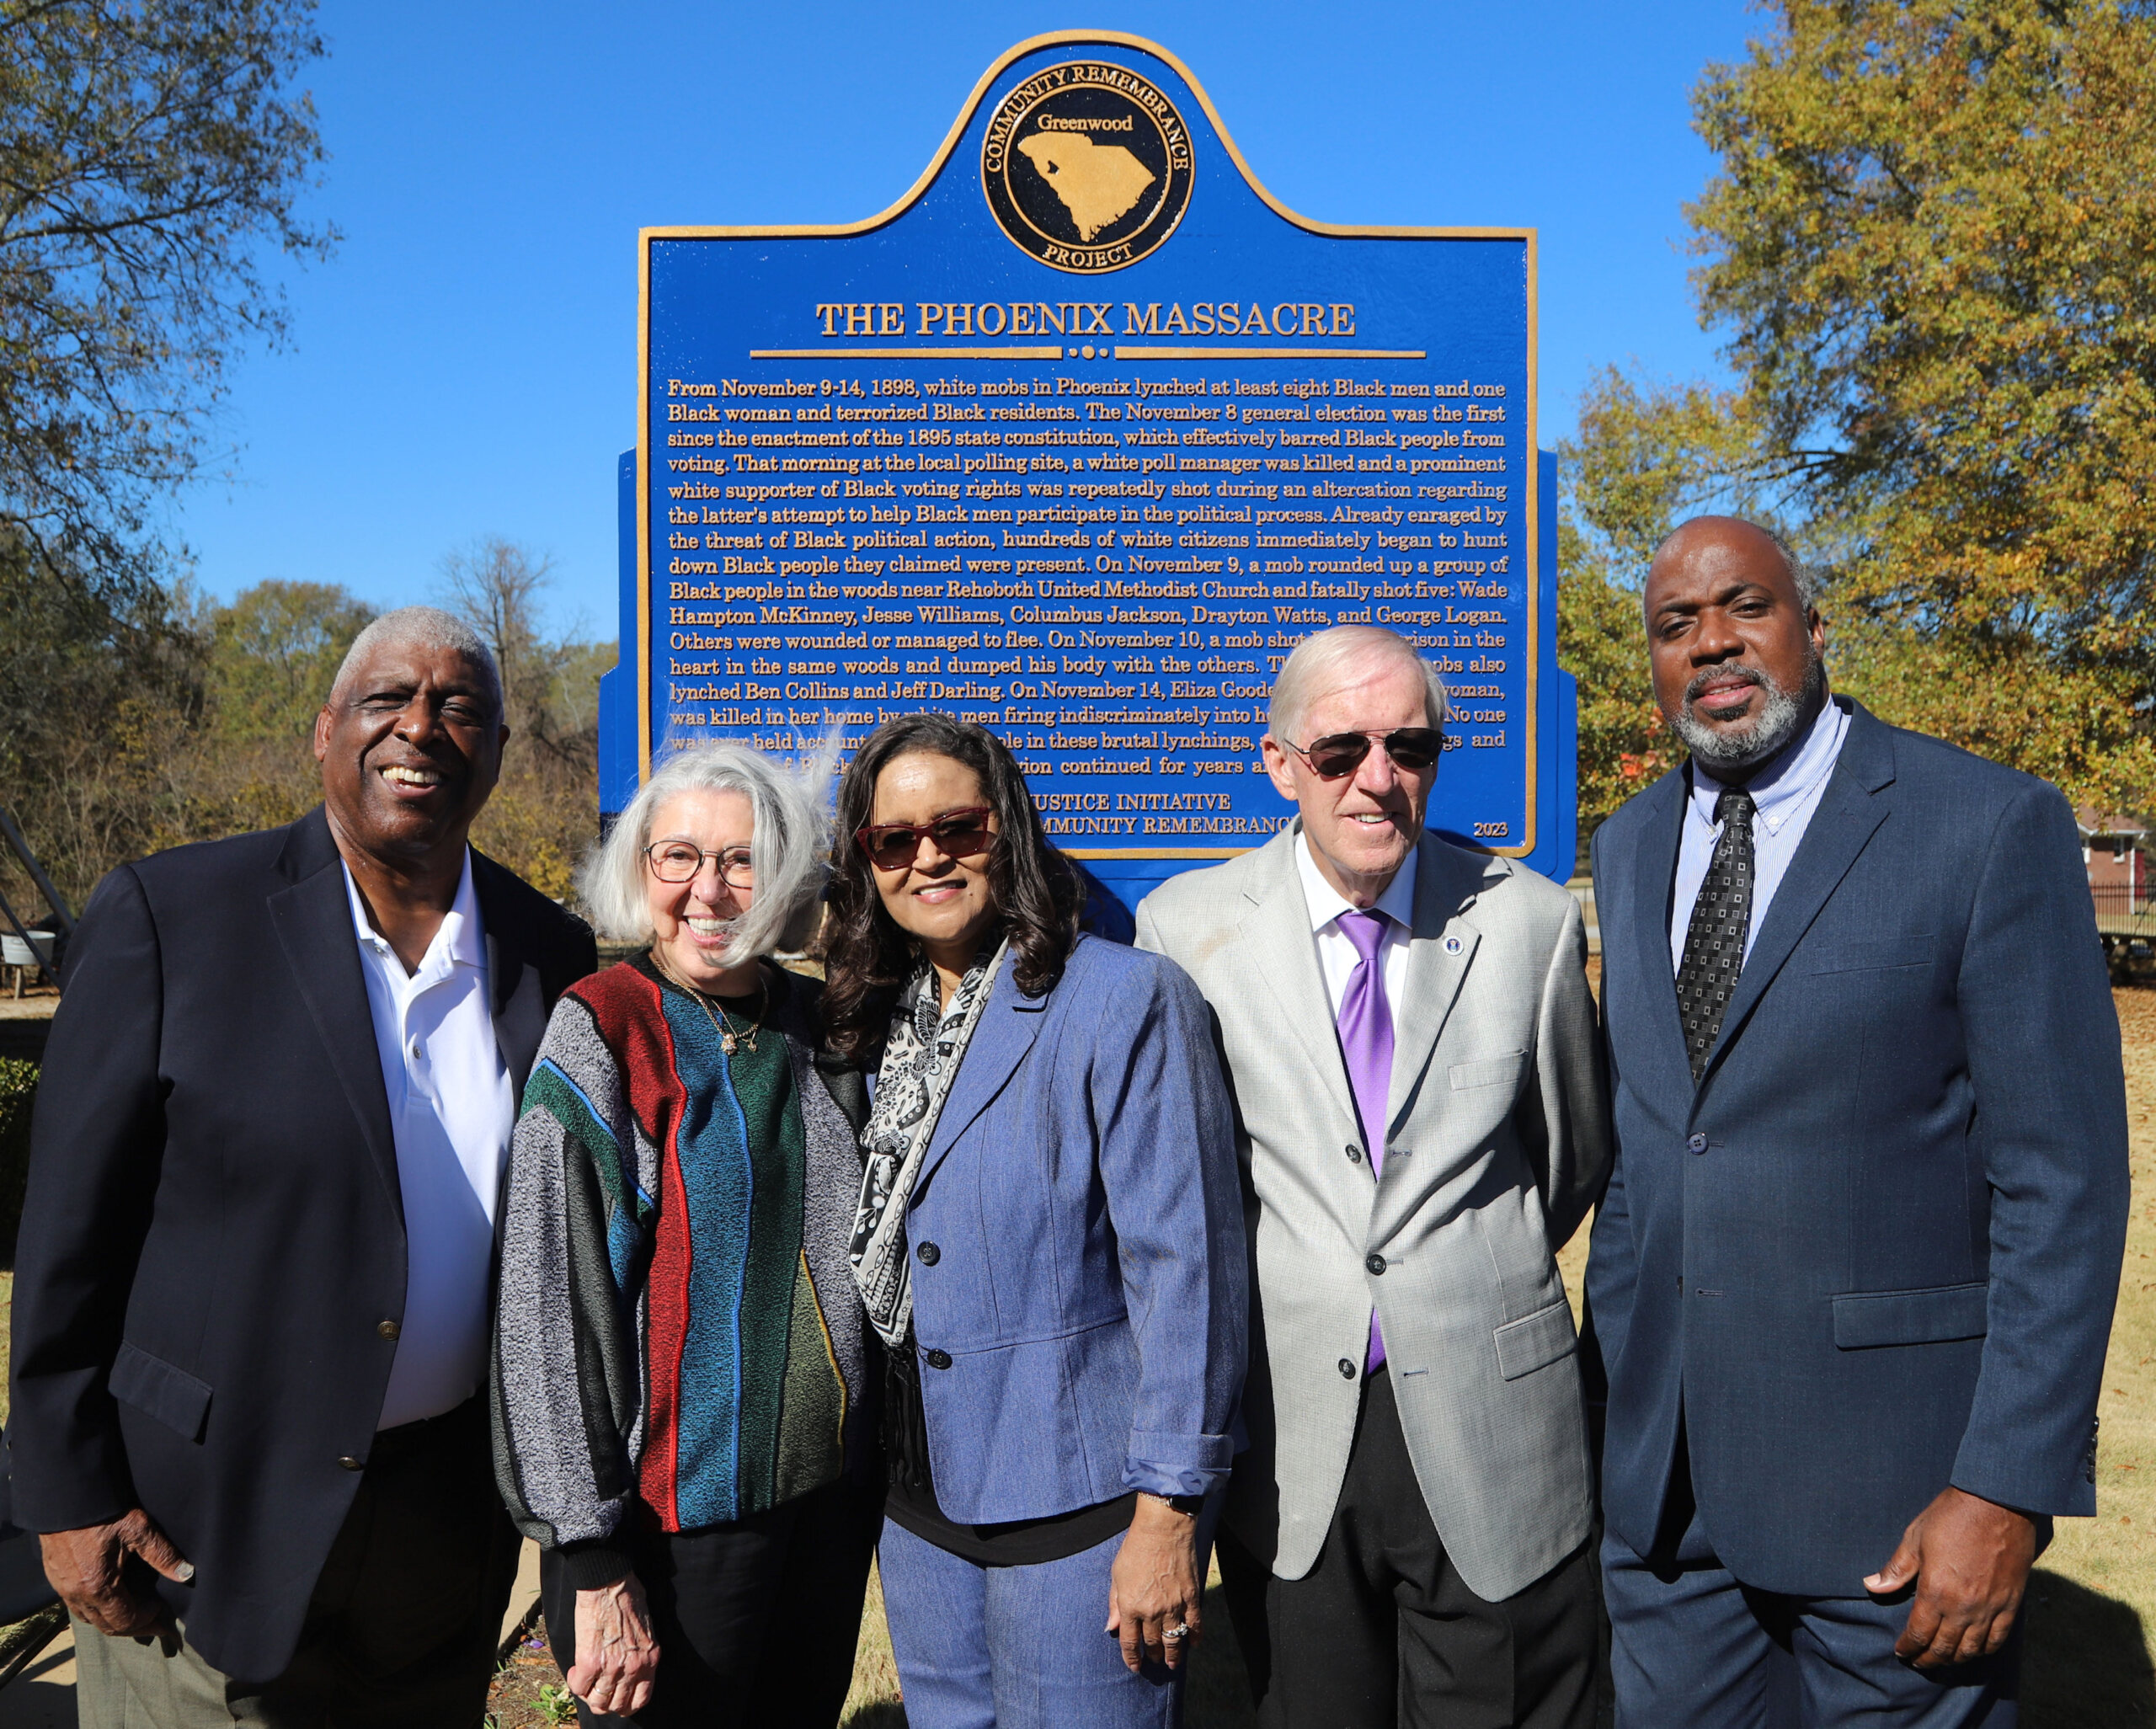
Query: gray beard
1771,728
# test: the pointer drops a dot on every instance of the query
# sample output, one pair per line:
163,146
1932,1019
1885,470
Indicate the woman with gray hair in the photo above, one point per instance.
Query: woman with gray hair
680,1360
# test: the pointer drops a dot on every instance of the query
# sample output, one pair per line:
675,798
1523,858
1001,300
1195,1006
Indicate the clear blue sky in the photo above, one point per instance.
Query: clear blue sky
465,366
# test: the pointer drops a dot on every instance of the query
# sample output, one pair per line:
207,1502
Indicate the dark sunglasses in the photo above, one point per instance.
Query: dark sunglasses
1337,754
957,833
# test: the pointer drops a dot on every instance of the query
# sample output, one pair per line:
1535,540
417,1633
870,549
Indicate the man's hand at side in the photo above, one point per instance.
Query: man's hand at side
87,1568
1970,1558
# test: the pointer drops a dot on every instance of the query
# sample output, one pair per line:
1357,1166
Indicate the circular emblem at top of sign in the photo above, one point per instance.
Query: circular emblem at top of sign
1086,166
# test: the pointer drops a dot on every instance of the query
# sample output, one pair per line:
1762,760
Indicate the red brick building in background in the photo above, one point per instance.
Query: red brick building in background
2118,869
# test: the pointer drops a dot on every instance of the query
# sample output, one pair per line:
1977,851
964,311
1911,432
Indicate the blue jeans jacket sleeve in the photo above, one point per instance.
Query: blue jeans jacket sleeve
1167,1162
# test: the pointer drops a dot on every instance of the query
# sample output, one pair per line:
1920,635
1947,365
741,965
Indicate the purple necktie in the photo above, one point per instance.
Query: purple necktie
1366,1041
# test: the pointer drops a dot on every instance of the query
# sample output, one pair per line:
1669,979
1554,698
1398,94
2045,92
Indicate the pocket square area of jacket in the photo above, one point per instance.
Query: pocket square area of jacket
1489,1071
1870,952
177,1398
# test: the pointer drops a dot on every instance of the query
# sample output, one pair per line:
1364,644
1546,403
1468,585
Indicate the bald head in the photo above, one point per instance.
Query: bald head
1700,533
1736,646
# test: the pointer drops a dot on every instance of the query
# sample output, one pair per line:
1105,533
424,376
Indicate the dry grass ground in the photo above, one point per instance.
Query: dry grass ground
2095,1609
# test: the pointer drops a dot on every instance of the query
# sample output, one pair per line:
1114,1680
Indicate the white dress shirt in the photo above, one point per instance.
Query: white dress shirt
452,1108
1337,959
1783,797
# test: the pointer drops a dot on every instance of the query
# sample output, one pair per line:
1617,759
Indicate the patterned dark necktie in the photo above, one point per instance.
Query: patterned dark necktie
1714,942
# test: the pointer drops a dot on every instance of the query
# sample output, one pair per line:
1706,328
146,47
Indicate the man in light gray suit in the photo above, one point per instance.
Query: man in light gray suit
1423,1120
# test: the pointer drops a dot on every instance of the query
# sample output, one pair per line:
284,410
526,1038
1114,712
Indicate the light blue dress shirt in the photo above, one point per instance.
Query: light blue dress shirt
1784,796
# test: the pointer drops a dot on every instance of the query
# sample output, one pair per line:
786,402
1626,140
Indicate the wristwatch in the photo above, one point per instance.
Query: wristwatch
1191,1504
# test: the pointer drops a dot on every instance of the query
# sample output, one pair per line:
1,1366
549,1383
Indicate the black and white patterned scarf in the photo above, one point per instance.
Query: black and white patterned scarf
920,1059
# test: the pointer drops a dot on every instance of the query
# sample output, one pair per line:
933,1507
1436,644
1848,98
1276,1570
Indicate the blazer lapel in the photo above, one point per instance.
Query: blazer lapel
1439,952
520,1012
313,922
515,997
1850,813
1009,1022
1654,878
1276,933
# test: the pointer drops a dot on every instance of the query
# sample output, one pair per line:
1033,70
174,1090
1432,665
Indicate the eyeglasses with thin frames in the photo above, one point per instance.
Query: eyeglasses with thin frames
678,862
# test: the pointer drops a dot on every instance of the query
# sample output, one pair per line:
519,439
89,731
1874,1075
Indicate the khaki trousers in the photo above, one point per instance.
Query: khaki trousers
402,1626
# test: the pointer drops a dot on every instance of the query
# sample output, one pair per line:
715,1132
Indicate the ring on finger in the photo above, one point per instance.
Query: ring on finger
1179,1630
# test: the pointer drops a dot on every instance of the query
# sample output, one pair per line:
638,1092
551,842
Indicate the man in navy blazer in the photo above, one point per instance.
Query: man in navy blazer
1854,1276
251,1299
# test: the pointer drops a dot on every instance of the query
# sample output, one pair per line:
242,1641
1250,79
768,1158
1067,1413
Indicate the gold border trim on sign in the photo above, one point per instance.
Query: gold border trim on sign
1055,352
1346,231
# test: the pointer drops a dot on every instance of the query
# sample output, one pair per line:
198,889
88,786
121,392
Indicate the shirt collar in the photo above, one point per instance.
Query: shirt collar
1327,903
461,941
1780,790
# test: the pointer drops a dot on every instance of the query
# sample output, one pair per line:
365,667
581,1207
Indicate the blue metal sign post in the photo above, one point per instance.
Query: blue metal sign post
1078,439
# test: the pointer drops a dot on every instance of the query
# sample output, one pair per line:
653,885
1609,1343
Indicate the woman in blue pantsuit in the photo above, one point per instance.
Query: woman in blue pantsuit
1049,1241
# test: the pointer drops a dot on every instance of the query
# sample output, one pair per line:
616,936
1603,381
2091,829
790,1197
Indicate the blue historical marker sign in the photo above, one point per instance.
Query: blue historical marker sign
1078,439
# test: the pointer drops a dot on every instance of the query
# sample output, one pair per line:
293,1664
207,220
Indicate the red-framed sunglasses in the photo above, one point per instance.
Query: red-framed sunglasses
1337,754
957,833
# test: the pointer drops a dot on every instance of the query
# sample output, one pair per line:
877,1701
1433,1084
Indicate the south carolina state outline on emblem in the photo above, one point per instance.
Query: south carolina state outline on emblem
1087,167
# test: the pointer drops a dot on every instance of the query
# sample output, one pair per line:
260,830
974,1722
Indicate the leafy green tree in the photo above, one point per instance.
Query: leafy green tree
147,150
96,684
274,653
1622,742
149,153
1643,459
1932,247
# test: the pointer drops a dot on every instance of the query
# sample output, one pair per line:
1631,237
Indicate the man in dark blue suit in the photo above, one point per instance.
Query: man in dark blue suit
1854,1276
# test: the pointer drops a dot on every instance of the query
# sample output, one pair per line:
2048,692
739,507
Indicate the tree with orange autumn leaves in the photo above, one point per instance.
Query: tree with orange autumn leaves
1931,250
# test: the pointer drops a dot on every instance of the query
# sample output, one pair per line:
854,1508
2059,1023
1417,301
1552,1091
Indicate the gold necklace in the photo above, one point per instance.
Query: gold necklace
721,1023
724,1025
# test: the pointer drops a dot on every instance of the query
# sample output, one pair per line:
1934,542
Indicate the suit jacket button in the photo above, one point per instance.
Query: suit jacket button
352,1463
387,1329
1354,1154
939,1359
929,1254
1374,1262
1698,1143
1346,1370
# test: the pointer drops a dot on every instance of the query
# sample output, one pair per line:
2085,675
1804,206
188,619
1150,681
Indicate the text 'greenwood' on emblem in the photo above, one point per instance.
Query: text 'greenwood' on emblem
1086,166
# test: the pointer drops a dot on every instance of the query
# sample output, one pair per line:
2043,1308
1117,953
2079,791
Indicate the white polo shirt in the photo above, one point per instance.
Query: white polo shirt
452,1107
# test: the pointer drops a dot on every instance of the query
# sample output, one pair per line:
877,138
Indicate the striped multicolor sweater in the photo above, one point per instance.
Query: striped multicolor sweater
679,1343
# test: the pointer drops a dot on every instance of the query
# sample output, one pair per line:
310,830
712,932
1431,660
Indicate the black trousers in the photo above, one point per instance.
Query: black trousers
406,1618
1381,1632
756,1621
